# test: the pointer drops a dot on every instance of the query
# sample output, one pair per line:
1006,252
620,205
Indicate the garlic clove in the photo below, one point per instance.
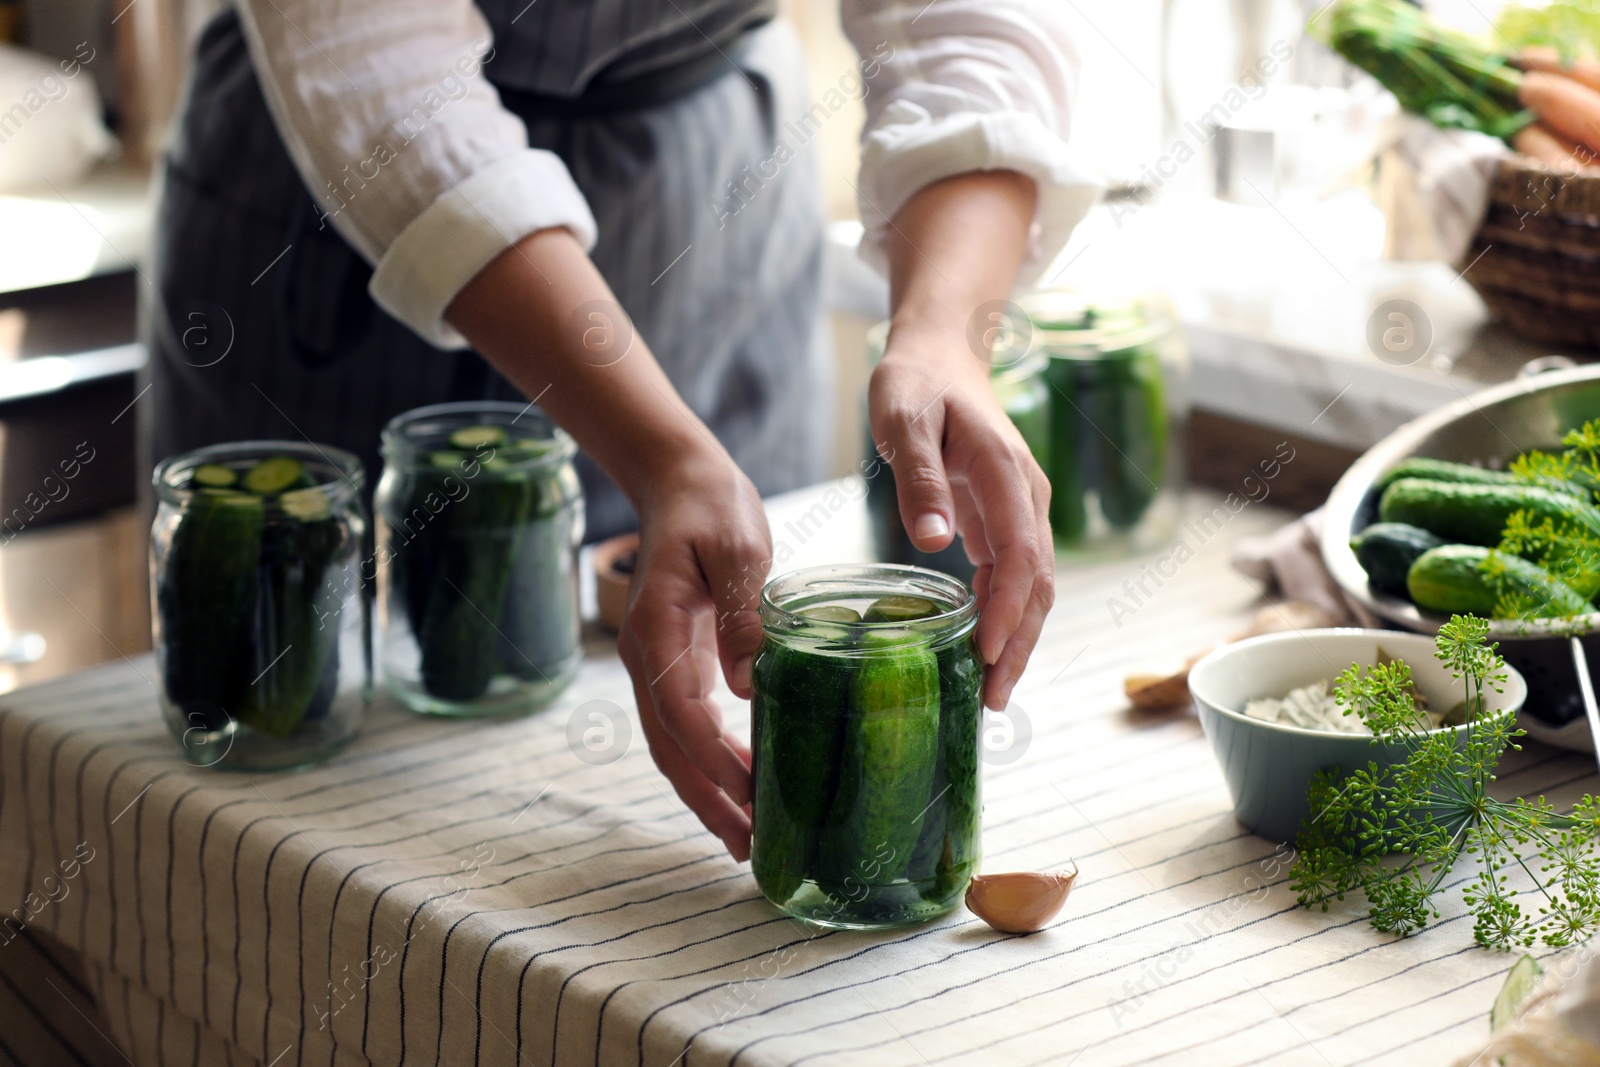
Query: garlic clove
1019,902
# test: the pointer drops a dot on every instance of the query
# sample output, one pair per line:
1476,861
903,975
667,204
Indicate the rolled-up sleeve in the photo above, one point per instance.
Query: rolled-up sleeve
967,85
404,145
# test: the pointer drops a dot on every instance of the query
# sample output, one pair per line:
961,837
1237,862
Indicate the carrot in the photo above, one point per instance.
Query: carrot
1548,61
1540,143
1566,106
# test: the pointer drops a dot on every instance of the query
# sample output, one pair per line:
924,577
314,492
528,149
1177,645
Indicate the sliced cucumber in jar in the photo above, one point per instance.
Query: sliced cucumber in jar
273,475
900,608
449,461
307,505
831,613
215,476
471,437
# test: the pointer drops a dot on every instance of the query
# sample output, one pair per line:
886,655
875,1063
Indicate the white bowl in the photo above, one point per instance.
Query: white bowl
1268,765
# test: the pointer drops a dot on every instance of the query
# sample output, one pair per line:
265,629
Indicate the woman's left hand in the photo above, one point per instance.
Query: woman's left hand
960,466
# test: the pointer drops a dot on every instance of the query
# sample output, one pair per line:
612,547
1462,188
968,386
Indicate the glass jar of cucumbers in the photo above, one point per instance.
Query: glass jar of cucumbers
866,711
479,515
261,624
1117,370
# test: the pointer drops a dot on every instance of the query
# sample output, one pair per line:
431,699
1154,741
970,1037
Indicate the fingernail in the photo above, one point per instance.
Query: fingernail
741,673
931,526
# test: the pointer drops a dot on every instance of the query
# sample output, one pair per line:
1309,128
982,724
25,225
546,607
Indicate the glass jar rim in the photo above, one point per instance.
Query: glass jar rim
398,441
959,602
338,491
1058,339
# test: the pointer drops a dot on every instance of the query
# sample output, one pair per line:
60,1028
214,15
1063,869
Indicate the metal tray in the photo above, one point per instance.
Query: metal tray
1490,427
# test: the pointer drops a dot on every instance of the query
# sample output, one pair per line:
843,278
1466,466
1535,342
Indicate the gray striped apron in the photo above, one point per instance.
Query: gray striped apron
260,325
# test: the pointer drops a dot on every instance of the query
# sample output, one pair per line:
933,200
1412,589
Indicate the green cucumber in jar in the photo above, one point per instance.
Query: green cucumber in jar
886,766
780,844
1130,411
797,715
947,850
1069,516
539,620
297,618
476,546
205,601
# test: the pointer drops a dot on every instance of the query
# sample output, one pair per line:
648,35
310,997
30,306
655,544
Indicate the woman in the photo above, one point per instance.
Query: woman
356,193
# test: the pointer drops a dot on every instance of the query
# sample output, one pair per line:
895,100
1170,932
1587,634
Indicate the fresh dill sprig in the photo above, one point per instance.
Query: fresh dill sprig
1396,833
1569,551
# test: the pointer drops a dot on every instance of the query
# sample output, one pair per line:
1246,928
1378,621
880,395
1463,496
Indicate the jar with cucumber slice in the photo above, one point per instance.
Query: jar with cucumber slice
865,721
261,624
480,514
1117,374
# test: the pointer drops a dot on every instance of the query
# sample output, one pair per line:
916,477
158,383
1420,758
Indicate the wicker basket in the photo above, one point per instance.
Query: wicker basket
1543,276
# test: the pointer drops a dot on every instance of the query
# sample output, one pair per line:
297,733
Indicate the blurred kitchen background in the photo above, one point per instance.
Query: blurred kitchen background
1243,196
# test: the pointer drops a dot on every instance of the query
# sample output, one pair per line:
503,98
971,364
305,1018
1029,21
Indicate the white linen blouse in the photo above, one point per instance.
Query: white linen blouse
963,85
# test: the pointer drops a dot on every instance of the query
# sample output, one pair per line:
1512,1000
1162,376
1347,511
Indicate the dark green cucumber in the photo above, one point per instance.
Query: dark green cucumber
1069,516
1451,580
1130,411
294,654
1477,514
539,621
886,765
476,552
798,721
1386,551
205,602
947,850
1442,470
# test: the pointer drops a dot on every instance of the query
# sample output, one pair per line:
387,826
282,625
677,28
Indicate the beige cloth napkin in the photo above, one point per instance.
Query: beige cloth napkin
1290,560
1433,186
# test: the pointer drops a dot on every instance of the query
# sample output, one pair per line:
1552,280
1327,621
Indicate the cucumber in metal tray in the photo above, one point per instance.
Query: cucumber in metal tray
206,602
886,765
800,703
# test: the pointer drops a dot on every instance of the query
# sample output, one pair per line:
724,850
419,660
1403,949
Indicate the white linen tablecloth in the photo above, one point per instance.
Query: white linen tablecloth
475,893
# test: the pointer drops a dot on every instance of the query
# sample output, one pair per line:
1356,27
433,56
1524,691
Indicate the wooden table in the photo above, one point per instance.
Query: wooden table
478,893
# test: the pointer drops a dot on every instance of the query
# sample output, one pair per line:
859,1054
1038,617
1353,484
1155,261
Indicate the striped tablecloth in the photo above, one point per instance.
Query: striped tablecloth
476,893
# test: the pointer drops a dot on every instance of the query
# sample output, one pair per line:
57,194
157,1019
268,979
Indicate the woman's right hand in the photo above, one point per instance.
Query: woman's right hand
703,558
541,313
